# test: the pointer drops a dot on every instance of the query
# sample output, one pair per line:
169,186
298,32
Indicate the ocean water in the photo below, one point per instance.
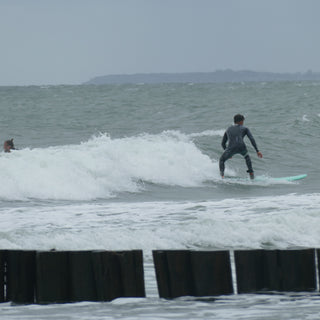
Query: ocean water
122,167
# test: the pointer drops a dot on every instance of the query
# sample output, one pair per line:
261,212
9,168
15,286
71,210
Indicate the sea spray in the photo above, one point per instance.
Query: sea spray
287,221
103,167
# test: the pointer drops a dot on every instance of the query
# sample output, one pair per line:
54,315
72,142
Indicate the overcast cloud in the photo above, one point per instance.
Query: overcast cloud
71,41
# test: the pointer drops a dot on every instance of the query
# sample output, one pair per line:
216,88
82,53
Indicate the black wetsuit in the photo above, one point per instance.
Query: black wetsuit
234,135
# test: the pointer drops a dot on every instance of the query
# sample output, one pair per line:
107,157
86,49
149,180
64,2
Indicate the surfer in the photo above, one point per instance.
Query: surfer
8,146
234,135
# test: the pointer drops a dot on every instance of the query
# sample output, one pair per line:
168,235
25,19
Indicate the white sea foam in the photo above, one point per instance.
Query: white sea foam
305,118
103,166
210,133
263,222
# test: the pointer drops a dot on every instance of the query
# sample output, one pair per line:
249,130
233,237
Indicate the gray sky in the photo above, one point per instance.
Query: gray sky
71,41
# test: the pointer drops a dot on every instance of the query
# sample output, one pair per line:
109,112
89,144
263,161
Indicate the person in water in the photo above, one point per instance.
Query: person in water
234,136
8,146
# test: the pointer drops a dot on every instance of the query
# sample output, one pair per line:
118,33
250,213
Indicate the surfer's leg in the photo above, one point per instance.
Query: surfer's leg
249,163
225,156
246,156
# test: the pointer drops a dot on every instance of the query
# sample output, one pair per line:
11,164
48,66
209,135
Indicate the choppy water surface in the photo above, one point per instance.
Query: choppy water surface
136,167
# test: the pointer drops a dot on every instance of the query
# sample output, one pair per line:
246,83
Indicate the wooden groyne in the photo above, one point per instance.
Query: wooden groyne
45,277
70,276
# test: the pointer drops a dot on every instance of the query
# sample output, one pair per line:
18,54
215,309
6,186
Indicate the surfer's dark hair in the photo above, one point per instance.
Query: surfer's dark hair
238,117
10,143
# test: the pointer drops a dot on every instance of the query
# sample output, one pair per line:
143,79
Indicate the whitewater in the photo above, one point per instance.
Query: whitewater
102,167
121,167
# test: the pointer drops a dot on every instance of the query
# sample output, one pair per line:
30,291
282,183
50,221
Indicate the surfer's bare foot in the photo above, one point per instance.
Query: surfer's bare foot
251,174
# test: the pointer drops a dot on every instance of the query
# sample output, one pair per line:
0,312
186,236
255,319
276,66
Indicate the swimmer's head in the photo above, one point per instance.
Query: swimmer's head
8,145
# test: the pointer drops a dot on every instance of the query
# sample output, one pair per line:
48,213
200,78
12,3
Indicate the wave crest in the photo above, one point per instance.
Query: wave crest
103,167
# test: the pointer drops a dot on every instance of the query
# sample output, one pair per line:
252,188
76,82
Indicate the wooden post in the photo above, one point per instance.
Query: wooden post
211,273
251,270
82,282
298,270
21,270
107,274
275,270
118,274
180,273
196,273
53,277
162,273
131,264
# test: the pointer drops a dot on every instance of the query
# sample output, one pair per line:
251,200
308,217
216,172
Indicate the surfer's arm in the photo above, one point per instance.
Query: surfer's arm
253,142
224,141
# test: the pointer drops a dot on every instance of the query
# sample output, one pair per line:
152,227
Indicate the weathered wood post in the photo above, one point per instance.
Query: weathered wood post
53,277
192,273
21,276
275,270
118,274
81,276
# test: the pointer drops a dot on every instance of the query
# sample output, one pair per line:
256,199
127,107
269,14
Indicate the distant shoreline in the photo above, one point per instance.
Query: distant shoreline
219,76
